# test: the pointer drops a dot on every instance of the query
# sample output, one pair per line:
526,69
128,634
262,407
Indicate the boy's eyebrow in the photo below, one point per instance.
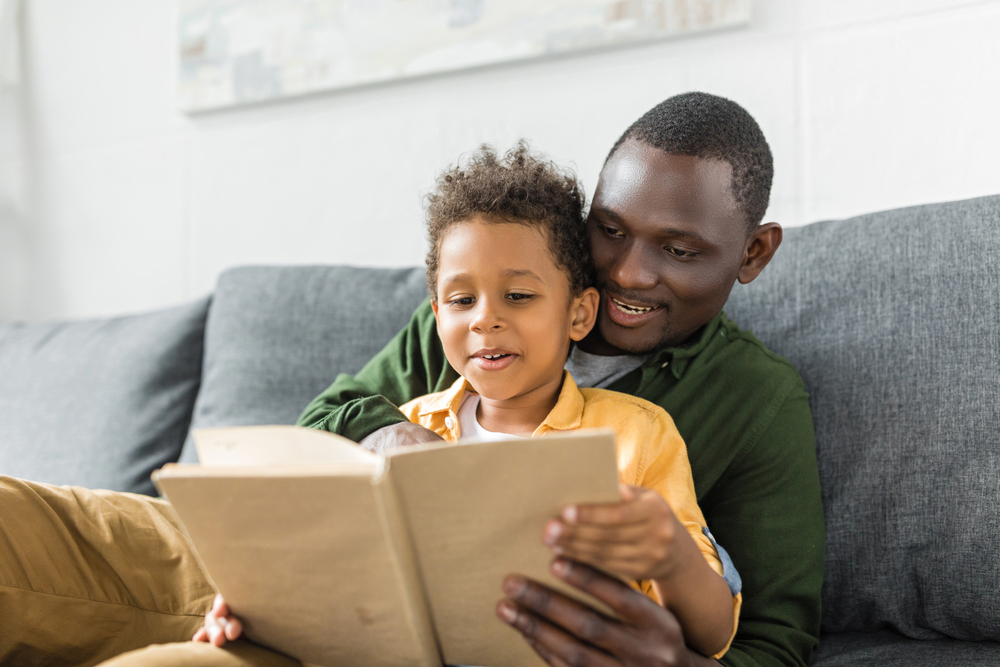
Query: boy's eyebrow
519,273
508,273
665,231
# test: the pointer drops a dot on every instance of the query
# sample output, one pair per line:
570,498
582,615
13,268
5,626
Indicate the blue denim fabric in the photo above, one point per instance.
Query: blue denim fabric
729,572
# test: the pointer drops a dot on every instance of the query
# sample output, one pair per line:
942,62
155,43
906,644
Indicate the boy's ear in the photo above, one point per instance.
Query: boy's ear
437,323
583,313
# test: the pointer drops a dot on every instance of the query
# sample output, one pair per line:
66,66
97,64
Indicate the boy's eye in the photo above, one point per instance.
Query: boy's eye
518,296
462,301
677,252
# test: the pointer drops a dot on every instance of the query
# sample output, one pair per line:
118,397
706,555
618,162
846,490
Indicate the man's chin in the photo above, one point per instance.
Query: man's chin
631,341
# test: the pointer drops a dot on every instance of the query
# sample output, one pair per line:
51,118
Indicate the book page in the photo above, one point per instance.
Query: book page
276,445
476,514
306,561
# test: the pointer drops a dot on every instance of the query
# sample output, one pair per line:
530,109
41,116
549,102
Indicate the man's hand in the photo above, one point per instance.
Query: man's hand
567,633
220,625
398,435
638,538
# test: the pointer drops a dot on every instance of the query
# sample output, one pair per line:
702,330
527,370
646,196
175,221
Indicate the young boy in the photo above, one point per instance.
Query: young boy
509,276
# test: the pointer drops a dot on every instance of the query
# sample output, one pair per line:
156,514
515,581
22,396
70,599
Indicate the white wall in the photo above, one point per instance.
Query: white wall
112,201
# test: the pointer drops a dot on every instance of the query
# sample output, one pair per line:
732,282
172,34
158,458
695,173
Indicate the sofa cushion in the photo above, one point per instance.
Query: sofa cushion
893,320
99,403
278,336
888,649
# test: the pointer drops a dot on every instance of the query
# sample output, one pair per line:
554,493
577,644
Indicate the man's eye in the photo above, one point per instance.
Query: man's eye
677,252
612,232
517,296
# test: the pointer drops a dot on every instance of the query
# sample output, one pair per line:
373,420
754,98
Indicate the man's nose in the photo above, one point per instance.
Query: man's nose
485,319
635,268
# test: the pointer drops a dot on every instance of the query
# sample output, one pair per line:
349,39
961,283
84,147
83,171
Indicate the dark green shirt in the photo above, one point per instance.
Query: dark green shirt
744,414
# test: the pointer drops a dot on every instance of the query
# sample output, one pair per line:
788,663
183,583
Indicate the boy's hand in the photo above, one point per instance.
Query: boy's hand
639,538
220,625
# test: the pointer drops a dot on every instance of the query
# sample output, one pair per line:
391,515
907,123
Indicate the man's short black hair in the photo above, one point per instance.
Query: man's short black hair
712,127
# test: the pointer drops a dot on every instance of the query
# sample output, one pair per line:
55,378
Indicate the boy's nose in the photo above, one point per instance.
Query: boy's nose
485,319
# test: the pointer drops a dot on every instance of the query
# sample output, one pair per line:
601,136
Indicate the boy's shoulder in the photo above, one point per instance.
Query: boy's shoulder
603,407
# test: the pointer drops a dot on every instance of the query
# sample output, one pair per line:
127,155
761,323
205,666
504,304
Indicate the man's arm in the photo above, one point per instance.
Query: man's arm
767,511
411,365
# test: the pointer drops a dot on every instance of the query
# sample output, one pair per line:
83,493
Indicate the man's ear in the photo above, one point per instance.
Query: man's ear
760,248
583,313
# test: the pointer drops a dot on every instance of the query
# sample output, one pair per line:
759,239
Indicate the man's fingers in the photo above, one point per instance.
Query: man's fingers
573,617
553,645
632,607
201,635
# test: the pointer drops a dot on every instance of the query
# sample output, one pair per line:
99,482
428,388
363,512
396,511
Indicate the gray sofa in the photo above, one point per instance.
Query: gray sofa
893,319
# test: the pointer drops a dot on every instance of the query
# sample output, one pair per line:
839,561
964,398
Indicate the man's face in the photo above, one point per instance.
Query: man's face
668,242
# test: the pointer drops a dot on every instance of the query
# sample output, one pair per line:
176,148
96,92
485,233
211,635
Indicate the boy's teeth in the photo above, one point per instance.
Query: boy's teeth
635,310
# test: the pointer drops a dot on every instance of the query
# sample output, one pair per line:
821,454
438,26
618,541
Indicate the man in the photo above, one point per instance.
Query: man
674,223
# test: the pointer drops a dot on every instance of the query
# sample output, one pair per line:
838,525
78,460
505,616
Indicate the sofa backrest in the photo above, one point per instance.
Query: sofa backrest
893,320
99,403
278,336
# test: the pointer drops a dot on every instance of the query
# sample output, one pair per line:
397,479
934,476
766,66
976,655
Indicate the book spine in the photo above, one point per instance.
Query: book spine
408,573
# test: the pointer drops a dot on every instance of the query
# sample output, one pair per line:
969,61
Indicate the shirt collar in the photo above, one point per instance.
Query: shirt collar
680,357
449,400
565,416
568,411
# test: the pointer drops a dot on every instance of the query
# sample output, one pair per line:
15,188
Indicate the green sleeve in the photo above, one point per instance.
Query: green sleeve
768,513
411,365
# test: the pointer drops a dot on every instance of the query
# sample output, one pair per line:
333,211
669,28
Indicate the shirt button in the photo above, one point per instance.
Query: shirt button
449,422
664,364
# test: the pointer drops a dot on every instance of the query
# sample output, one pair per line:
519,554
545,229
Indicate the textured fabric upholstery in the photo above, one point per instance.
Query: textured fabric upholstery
887,649
893,320
99,403
277,336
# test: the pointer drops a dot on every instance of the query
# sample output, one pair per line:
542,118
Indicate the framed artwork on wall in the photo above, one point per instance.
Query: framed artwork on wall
245,51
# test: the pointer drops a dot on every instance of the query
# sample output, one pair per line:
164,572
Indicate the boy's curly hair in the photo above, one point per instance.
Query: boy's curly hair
519,187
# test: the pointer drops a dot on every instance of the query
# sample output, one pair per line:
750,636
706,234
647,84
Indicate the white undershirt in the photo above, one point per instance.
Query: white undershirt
469,426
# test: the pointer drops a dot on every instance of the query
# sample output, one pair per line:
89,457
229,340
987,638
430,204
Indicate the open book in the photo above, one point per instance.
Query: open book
337,556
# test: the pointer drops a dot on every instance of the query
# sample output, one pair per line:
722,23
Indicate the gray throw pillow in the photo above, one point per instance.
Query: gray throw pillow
99,403
893,320
278,336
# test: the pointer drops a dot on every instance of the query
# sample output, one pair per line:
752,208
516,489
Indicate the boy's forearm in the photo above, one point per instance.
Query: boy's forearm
702,602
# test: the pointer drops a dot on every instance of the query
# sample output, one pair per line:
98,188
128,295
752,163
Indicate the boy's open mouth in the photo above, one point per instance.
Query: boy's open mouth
494,360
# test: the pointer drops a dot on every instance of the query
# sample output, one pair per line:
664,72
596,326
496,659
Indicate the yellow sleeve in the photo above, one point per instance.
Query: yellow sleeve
660,462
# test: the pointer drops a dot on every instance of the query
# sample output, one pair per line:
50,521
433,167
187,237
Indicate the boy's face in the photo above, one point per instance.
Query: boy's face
668,242
504,310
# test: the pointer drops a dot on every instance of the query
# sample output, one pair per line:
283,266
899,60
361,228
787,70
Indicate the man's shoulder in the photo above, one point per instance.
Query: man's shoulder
742,355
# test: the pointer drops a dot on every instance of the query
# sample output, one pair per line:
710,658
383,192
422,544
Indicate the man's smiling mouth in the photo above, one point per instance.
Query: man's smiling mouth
629,309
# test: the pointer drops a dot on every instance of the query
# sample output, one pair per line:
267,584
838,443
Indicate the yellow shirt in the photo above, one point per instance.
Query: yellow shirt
651,453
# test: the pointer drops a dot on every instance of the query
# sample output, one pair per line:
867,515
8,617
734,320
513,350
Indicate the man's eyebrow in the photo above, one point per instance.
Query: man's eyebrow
664,231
